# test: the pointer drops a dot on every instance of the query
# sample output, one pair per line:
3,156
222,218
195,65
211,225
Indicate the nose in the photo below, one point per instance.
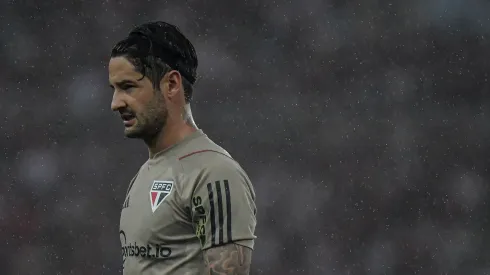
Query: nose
117,101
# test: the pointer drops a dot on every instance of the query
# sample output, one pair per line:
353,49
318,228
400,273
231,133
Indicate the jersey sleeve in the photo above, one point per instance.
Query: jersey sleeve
223,207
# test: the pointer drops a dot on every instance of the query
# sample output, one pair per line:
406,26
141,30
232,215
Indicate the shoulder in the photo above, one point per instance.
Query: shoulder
209,164
205,155
212,165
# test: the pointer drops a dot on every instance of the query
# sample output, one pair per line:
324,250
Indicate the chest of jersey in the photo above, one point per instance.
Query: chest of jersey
154,211
154,225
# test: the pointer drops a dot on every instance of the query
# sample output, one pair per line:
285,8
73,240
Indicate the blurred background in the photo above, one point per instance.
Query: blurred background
364,126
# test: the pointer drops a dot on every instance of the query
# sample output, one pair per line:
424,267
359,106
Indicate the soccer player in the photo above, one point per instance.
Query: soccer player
190,208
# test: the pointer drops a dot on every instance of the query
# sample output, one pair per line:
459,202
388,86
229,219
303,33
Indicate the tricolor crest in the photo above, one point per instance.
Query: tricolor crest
159,191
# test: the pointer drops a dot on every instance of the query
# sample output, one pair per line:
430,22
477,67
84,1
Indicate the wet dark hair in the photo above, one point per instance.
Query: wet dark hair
155,48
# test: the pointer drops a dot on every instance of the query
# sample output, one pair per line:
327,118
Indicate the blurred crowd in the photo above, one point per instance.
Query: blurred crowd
364,126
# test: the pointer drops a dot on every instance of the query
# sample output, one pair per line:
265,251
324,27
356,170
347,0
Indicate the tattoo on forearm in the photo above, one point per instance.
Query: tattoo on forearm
229,259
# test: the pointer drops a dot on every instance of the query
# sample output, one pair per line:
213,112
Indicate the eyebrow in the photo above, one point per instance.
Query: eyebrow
122,83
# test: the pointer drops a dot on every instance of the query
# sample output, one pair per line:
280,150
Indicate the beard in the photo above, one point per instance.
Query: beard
149,123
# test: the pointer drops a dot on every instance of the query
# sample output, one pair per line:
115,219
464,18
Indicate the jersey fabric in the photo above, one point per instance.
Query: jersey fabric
188,198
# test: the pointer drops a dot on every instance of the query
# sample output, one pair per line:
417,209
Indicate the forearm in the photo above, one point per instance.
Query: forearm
229,259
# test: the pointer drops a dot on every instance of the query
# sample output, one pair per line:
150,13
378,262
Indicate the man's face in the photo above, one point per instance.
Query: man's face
142,109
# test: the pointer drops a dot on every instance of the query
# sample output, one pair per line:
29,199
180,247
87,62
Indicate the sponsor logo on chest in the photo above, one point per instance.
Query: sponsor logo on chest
159,190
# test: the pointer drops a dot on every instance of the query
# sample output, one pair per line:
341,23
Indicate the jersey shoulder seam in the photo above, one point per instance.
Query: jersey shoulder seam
204,151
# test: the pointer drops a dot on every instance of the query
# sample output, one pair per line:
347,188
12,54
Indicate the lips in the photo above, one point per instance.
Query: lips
128,119
127,116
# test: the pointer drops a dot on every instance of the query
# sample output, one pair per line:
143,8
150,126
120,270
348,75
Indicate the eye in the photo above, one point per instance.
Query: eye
127,88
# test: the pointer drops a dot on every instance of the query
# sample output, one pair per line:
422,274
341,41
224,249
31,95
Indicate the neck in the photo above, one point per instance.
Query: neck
174,131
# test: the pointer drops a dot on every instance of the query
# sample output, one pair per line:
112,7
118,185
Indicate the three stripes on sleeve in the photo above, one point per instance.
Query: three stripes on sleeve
219,195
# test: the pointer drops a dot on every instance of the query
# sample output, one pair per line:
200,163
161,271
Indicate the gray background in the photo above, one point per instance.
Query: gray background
363,125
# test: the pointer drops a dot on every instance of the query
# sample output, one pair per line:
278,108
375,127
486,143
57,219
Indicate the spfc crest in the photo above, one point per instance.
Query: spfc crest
159,191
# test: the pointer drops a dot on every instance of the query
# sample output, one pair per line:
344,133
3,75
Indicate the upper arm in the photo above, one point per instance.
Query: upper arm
223,207
228,259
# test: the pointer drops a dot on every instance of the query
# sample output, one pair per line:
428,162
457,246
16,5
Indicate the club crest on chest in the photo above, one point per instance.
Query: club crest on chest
159,190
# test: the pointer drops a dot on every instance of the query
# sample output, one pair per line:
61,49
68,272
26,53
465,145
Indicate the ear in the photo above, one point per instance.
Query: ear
171,85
